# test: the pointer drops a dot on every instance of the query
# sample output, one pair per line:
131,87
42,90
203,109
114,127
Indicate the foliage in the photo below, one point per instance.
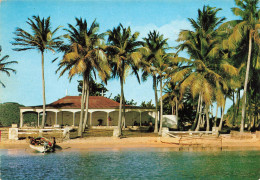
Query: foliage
131,102
10,114
95,89
147,104
3,66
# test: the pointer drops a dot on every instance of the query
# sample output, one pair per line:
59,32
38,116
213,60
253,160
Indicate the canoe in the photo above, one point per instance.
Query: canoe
41,144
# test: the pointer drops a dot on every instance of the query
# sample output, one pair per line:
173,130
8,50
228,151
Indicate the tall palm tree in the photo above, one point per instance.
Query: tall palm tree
41,39
203,46
84,56
151,46
248,26
122,50
4,66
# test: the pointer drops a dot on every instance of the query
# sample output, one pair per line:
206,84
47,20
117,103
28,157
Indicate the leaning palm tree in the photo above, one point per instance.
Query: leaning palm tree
122,50
247,26
151,46
84,56
4,64
41,39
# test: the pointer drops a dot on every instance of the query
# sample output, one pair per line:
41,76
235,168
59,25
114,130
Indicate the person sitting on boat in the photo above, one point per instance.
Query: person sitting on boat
32,140
45,144
53,144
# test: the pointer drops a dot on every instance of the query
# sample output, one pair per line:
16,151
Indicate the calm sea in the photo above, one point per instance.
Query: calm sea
146,163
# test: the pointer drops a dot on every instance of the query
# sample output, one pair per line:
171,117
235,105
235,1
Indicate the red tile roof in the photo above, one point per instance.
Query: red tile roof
74,102
95,102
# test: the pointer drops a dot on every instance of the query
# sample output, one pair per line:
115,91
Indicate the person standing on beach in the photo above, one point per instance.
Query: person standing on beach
109,121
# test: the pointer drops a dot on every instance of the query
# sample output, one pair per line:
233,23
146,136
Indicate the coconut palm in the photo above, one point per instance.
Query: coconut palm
151,46
84,56
41,39
249,26
4,66
203,45
162,67
122,50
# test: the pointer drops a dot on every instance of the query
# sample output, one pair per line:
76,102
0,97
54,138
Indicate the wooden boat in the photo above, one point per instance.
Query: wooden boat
41,144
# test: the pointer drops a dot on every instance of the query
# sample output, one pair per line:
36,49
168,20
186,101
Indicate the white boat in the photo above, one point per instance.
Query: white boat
41,144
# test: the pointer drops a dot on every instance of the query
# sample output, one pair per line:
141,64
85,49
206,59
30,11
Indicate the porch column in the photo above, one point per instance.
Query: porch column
140,118
73,119
38,119
56,117
90,123
107,119
21,119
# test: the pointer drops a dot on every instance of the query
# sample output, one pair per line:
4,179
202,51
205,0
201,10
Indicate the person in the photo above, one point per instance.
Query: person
32,140
151,128
109,121
100,122
145,123
135,123
45,144
53,144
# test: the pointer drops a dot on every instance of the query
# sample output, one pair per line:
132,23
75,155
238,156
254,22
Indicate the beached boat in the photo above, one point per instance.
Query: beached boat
41,144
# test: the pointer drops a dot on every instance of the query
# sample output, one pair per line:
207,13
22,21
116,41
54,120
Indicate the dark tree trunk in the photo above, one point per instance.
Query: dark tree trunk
246,82
197,115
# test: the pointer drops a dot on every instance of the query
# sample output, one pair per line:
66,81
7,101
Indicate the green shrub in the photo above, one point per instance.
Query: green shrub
10,114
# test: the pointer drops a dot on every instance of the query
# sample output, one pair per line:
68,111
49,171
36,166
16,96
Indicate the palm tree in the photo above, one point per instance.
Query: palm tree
122,50
151,46
41,39
203,46
248,26
84,56
3,66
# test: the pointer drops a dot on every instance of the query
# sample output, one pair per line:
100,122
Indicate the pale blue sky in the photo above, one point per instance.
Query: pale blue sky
25,87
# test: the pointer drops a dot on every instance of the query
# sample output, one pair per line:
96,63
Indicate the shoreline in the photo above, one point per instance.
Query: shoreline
145,143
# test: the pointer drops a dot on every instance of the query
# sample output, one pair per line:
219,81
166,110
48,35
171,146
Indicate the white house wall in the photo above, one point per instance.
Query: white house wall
65,117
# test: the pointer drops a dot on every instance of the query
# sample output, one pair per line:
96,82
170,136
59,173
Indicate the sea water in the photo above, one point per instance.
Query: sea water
142,163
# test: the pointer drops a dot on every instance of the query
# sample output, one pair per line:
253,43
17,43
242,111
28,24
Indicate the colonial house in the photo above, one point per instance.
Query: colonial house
102,112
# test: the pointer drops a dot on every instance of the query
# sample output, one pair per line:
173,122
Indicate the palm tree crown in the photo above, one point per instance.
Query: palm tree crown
42,38
122,51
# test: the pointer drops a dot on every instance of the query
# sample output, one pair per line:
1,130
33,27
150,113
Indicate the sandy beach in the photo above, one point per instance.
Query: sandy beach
224,142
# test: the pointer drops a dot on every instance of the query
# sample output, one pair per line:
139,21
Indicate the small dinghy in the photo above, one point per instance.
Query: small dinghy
41,144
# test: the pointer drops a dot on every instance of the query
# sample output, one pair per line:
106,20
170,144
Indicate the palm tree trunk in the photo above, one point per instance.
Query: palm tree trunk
156,104
238,102
197,115
245,85
82,107
234,109
207,117
177,114
222,115
216,117
124,125
86,103
161,103
200,112
120,108
172,109
43,92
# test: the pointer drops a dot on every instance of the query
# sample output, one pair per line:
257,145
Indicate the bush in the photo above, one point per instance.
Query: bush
10,114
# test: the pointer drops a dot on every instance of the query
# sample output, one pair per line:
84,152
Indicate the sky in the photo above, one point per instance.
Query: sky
25,87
